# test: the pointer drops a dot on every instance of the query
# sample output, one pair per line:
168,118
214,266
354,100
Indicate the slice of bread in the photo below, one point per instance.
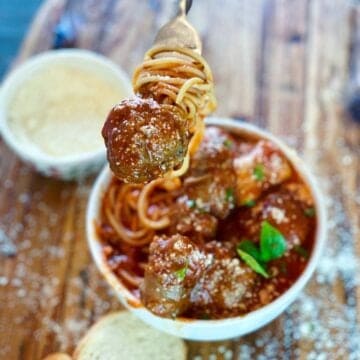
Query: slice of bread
58,356
121,336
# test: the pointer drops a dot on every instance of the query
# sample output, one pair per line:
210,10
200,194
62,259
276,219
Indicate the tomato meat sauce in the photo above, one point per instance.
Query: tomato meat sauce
240,231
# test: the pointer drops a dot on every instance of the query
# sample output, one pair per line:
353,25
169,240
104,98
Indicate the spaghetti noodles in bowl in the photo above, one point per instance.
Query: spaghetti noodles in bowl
189,321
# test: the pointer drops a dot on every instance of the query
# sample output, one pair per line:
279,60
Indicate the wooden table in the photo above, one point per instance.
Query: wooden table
284,65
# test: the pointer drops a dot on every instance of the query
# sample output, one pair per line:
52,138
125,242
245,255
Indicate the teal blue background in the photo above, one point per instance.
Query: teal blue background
15,19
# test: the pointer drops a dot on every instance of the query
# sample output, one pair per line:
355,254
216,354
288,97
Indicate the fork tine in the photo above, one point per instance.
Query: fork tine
188,5
178,31
184,6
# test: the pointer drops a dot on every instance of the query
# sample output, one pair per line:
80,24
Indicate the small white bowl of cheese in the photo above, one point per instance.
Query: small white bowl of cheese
53,106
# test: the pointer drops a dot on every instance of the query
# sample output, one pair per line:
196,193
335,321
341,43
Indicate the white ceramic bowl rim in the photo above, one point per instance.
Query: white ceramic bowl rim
192,329
13,80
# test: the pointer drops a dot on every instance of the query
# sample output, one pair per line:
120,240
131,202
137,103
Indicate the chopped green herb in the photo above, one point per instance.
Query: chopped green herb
301,251
205,316
229,195
228,143
309,212
250,261
202,210
181,273
249,247
272,242
259,172
283,267
191,204
249,203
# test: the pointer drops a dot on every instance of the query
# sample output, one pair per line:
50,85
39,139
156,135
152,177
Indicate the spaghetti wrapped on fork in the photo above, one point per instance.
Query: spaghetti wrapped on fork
154,134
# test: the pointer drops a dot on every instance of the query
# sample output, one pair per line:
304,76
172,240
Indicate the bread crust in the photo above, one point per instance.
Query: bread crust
58,356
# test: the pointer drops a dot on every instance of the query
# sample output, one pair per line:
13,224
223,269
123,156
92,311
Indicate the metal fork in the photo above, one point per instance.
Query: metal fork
179,32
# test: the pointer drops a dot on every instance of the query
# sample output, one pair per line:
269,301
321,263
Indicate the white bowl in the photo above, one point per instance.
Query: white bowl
212,329
66,167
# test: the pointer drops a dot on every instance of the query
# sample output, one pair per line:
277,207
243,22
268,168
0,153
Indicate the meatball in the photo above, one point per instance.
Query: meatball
174,267
210,181
281,209
264,166
215,151
191,221
144,139
225,286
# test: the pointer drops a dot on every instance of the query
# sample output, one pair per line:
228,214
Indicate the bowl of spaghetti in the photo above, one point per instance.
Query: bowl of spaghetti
220,251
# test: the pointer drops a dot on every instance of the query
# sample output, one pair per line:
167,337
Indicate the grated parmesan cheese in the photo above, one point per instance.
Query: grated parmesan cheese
278,215
61,110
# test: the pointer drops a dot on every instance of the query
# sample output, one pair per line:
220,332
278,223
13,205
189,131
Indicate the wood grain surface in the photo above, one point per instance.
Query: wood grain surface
287,66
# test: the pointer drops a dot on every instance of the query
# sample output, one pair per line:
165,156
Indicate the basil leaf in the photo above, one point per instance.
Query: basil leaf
309,212
250,261
259,172
249,247
272,242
